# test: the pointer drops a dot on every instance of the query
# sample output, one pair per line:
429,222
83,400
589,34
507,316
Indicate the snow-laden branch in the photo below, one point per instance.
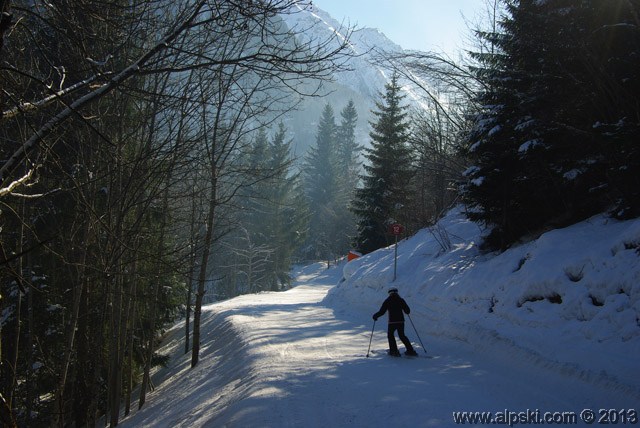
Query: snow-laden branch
299,60
29,106
4,191
98,93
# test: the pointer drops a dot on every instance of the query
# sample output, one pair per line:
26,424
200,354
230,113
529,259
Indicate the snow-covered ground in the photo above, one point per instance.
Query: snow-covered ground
552,325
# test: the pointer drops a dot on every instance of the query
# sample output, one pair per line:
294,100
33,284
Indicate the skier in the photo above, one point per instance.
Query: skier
396,306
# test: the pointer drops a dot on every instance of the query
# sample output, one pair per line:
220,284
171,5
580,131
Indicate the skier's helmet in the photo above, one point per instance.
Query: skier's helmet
393,290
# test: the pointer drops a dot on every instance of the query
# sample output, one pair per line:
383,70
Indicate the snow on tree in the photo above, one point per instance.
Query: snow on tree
541,158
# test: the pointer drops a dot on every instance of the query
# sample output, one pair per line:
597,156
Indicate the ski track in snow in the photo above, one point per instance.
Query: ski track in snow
297,359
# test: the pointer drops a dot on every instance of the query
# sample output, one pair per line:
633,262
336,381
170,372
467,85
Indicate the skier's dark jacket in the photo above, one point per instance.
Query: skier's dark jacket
395,305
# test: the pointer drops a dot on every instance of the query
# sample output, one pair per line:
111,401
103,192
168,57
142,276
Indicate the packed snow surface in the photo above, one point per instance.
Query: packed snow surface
552,325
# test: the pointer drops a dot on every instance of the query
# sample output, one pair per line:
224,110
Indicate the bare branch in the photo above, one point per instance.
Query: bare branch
5,19
7,190
29,106
116,80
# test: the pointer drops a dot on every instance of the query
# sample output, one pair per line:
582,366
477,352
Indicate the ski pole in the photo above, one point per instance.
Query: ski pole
372,328
414,328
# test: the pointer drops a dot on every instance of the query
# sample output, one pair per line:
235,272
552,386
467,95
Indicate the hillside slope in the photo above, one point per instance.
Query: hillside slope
298,358
570,299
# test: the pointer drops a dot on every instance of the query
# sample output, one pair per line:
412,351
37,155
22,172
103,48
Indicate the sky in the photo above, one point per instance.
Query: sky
427,25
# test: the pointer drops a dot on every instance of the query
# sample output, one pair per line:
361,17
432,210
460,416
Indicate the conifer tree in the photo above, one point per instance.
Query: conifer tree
546,145
287,218
271,220
380,201
321,183
255,206
495,180
348,170
348,148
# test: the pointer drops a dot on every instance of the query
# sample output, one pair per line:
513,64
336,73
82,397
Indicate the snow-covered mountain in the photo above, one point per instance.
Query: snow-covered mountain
362,82
363,78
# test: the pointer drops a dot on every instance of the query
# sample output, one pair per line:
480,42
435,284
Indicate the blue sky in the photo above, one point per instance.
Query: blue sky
435,25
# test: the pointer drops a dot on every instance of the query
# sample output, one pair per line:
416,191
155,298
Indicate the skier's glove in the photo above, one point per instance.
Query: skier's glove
375,317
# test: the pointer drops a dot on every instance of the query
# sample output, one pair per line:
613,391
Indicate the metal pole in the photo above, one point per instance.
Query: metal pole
372,328
395,259
414,328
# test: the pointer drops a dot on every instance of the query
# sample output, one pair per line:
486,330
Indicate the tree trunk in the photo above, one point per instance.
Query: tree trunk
31,388
12,360
115,362
146,378
84,354
202,276
188,301
68,354
131,318
192,268
147,370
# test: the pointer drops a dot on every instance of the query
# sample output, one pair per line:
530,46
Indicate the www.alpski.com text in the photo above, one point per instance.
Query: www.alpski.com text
536,416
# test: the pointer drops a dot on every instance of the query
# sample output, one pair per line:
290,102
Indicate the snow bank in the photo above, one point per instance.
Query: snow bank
569,300
550,325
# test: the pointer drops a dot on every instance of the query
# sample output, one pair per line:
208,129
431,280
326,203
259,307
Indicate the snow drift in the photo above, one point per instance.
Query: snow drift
569,299
547,326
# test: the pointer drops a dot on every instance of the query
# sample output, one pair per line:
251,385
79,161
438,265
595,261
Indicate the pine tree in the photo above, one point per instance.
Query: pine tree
498,178
321,183
546,144
287,218
271,222
347,147
348,170
379,202
255,201
605,42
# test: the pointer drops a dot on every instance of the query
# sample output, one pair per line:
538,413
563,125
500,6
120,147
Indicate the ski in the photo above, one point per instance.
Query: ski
385,352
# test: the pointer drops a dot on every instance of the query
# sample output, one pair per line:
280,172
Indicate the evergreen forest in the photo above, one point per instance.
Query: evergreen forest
147,168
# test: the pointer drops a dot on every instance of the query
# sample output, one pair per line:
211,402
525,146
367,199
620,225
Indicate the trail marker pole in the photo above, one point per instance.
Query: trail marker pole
395,259
395,229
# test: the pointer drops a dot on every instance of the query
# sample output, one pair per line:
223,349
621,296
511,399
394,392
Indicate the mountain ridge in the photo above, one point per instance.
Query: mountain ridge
363,81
